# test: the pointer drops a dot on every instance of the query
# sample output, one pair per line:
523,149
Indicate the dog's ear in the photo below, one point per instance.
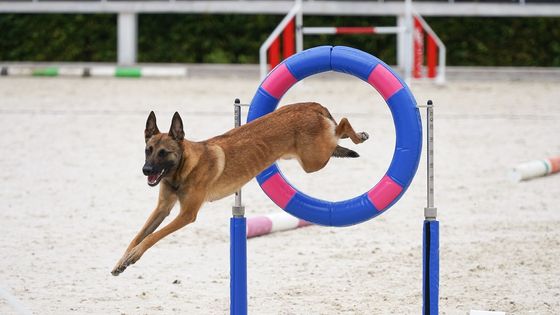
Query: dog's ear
176,131
151,127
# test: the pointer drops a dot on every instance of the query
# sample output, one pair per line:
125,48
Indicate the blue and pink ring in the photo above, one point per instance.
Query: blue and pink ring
406,118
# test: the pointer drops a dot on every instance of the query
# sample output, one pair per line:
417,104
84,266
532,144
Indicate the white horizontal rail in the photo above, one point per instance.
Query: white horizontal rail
389,29
319,30
353,30
317,7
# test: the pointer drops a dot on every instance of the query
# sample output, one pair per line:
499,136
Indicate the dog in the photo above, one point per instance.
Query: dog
192,173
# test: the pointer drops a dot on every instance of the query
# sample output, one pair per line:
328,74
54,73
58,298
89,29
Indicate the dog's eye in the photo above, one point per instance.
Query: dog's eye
149,150
162,153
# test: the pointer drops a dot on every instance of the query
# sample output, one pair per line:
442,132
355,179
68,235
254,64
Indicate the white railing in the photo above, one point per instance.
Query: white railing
525,8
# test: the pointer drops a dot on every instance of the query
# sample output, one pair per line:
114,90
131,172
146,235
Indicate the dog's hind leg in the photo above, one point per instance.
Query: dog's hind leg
344,130
342,152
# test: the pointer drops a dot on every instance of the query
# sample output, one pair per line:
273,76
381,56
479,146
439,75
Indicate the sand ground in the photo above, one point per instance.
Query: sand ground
73,196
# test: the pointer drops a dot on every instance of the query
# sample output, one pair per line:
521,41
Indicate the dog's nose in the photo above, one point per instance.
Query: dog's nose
147,170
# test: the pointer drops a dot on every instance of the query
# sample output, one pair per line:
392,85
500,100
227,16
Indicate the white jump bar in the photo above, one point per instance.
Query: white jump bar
353,30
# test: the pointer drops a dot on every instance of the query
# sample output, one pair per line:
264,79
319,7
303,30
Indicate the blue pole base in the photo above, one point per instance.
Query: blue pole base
238,266
430,266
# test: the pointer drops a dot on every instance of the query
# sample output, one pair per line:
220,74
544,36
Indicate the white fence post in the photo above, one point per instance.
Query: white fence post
408,50
127,38
401,45
299,27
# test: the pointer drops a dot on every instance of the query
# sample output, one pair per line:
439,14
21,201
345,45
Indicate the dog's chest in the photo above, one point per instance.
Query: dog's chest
223,188
216,194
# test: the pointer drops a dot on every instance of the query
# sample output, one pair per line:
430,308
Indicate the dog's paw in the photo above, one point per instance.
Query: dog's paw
117,270
127,260
363,136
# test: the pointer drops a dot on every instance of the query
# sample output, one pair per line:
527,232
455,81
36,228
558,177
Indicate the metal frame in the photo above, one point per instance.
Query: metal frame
430,244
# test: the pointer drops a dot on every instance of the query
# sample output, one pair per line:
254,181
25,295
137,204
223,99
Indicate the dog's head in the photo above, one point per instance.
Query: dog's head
163,150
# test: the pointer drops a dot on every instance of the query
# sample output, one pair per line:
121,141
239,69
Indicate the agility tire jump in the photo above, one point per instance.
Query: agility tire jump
406,118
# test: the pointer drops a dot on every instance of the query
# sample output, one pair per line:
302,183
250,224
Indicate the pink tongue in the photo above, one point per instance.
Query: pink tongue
152,178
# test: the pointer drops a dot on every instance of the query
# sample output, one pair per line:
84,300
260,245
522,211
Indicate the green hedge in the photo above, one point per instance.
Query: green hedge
202,38
500,41
58,37
236,38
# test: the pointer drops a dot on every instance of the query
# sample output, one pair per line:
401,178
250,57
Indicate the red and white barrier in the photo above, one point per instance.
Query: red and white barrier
287,41
421,53
418,48
352,30
274,222
535,168
427,44
282,46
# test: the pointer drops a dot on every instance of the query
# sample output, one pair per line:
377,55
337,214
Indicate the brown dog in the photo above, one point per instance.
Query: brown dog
195,172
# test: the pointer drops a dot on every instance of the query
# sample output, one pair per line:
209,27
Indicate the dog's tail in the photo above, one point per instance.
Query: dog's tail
342,152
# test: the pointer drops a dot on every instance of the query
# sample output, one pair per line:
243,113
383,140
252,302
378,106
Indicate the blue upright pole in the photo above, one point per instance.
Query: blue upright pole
238,266
430,253
430,244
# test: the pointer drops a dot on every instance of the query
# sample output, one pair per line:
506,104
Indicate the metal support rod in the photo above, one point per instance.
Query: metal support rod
238,210
430,212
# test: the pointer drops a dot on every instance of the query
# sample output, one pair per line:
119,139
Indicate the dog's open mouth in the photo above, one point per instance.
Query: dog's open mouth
154,179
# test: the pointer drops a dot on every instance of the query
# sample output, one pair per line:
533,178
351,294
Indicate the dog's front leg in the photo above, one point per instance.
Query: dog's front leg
189,209
166,201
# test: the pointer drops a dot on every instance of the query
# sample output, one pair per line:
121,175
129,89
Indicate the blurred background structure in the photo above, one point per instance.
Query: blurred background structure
477,33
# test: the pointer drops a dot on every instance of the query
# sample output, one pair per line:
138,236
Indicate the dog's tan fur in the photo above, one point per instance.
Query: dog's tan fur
195,172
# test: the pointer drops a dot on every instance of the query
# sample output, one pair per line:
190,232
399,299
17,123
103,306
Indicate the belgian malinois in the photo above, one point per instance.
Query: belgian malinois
195,172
